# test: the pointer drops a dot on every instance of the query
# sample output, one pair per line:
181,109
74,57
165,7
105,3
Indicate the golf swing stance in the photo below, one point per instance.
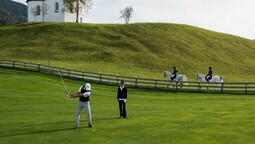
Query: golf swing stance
83,95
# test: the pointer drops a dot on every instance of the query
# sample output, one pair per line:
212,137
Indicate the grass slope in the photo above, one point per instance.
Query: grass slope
142,49
34,109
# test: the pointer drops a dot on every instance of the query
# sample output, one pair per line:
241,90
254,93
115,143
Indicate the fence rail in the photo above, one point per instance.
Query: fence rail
188,86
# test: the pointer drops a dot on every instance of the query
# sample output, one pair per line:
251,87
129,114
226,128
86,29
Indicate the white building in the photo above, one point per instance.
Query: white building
51,11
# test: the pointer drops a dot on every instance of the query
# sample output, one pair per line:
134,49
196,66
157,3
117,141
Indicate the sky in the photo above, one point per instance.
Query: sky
234,17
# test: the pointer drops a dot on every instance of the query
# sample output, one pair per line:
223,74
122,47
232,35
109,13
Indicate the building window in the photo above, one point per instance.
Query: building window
56,7
38,10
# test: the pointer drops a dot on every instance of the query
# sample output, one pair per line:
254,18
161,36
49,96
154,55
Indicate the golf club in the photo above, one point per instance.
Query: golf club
63,82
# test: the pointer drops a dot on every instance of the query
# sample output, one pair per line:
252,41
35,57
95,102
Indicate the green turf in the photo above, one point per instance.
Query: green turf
140,49
34,109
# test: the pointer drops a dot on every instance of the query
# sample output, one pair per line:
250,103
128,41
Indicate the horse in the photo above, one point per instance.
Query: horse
179,77
214,79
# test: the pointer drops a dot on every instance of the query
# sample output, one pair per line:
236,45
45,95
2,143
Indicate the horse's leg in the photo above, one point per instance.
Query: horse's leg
174,84
171,83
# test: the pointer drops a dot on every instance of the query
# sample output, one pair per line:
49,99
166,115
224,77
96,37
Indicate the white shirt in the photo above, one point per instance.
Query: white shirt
121,88
87,87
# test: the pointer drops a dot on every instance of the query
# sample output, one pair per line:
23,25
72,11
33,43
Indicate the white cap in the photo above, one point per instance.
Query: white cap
87,86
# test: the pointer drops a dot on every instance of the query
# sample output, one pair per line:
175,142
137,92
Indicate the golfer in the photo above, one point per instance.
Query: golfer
83,94
122,98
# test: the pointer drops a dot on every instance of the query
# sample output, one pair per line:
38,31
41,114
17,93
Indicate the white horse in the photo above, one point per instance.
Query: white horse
179,77
216,79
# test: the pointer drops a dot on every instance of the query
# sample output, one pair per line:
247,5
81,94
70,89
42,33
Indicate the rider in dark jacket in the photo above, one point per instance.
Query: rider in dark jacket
173,76
209,75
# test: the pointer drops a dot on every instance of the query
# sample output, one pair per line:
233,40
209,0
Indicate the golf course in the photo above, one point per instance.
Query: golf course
35,109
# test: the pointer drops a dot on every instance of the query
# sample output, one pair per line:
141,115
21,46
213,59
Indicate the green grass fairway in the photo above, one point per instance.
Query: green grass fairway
35,109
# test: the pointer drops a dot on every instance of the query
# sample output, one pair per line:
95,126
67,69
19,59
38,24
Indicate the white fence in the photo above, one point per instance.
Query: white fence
225,87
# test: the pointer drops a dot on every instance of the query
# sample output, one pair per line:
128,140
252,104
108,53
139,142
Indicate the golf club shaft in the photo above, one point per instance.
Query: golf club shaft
63,82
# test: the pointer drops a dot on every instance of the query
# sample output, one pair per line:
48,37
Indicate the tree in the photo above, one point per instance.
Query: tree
75,6
44,10
127,14
34,12
38,10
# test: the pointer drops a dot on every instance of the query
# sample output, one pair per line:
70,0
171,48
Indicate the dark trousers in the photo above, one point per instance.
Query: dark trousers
173,76
122,107
208,77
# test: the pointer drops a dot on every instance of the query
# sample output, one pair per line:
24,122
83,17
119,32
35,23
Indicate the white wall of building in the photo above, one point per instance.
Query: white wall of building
70,17
33,17
51,15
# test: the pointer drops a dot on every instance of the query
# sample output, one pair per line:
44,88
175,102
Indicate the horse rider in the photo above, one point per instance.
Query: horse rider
209,75
173,76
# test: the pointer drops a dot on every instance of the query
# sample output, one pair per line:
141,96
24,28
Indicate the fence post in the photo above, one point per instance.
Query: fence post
83,74
117,79
100,77
13,64
38,67
52,69
246,87
25,63
155,83
176,85
136,81
198,87
222,85
1,62
68,72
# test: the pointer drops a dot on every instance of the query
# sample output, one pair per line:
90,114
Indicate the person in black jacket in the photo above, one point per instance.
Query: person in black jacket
122,98
209,75
173,76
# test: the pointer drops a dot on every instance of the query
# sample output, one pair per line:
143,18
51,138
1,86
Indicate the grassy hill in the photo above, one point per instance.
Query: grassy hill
141,49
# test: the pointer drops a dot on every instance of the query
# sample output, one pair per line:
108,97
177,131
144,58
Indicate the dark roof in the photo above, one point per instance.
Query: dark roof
35,0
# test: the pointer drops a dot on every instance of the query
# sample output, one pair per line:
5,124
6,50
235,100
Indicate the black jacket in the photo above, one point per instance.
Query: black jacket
210,72
83,90
175,70
122,94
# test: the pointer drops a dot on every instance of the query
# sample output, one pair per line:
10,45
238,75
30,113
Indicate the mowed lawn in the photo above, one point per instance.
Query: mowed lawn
35,109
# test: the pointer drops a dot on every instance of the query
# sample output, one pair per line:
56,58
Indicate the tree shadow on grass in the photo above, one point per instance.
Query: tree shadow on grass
19,133
73,122
104,119
50,127
51,123
41,128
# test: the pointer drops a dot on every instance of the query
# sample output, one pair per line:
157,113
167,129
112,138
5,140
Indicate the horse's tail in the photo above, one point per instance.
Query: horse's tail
221,78
184,78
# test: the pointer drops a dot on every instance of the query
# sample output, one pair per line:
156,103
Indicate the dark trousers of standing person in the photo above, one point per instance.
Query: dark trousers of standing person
122,107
